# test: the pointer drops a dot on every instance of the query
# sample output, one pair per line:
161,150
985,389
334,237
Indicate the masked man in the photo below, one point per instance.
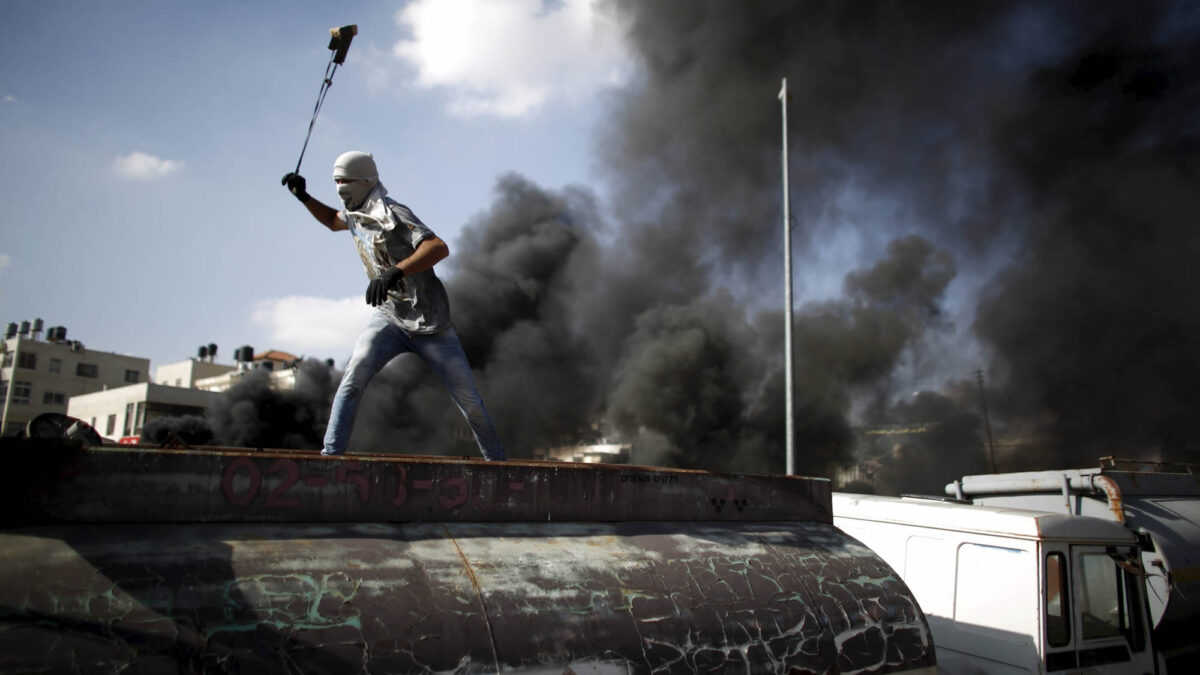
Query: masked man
412,311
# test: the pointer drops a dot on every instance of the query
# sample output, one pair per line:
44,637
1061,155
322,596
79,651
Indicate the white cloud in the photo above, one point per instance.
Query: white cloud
141,166
318,327
9,98
511,58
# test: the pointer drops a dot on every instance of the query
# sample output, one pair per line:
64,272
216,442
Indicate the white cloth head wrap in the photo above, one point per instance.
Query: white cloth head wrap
358,168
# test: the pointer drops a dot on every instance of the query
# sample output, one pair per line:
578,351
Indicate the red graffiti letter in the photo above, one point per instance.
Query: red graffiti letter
401,490
460,486
291,475
227,481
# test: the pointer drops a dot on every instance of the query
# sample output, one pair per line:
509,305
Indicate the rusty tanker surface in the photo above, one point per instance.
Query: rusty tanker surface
142,559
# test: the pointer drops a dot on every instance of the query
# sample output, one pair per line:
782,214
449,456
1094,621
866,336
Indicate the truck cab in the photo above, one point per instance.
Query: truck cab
1159,502
1011,590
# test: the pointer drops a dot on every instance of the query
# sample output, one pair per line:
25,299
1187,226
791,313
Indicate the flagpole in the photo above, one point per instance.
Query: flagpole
789,410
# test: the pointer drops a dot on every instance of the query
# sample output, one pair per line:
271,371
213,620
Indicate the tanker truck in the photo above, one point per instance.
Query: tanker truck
1158,502
138,558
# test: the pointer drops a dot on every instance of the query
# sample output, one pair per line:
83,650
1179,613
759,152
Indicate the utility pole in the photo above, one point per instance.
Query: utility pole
986,422
790,409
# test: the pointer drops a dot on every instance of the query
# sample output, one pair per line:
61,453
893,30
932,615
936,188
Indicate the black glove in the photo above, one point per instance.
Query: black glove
298,186
377,290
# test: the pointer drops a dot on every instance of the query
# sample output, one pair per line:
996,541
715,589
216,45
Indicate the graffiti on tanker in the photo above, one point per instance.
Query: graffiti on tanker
243,484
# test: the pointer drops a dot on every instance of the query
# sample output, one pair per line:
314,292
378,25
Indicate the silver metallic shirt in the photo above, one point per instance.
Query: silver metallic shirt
386,232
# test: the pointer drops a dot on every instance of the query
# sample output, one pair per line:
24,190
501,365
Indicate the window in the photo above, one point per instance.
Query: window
1134,625
128,418
1058,604
112,425
7,359
1100,597
131,376
27,360
1108,603
55,365
87,370
54,398
21,391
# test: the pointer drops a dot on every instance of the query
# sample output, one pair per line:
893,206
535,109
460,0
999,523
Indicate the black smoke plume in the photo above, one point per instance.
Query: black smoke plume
1094,325
189,429
254,414
1041,152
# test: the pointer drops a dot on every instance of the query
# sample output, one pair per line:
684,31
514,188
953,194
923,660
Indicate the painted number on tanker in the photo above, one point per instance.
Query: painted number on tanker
244,493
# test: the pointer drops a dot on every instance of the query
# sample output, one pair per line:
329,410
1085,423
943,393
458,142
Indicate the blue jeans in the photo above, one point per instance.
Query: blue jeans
380,342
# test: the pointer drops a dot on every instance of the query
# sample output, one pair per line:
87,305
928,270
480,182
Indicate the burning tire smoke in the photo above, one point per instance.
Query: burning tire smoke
253,414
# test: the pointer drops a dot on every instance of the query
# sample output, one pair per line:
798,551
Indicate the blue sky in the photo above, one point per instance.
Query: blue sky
143,144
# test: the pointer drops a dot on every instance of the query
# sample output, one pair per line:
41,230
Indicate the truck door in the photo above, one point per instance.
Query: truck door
1109,627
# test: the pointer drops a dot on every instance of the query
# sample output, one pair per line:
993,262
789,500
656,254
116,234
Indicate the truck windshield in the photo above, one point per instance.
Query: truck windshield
1101,599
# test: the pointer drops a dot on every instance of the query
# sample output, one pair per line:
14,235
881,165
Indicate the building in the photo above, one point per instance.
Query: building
121,413
113,392
187,373
210,376
183,388
39,375
281,367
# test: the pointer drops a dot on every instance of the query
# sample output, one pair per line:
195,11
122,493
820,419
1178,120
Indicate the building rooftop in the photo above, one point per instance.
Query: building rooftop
275,355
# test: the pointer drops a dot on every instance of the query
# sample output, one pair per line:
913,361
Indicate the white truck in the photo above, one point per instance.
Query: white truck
1011,590
1159,502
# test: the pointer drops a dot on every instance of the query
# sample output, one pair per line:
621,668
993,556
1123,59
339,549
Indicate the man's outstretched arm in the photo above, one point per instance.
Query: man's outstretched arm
324,214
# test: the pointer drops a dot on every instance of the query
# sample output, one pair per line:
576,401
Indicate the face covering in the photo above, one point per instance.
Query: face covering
358,168
353,194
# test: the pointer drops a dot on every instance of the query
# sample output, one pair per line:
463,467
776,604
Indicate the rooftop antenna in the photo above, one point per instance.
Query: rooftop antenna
987,424
789,347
